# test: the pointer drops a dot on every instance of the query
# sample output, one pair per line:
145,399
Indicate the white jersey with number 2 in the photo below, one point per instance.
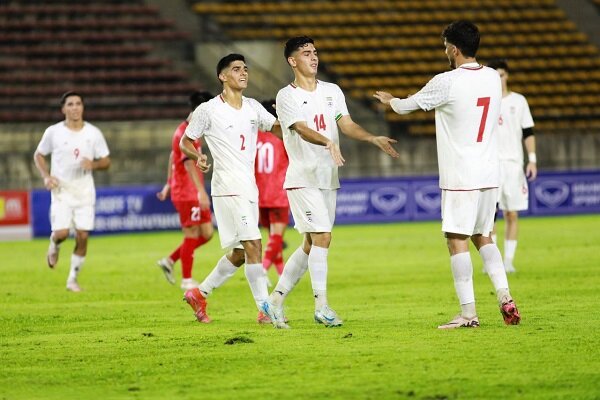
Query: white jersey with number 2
231,137
467,105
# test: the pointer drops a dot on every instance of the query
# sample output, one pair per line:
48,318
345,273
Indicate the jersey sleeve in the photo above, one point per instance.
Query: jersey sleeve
435,93
341,108
265,118
100,146
45,145
199,123
526,118
288,110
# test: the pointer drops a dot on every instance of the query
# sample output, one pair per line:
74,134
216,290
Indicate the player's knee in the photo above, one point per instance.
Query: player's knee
61,235
511,216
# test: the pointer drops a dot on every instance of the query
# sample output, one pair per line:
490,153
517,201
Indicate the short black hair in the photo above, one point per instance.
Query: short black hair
464,35
499,64
227,60
198,98
268,105
295,43
63,98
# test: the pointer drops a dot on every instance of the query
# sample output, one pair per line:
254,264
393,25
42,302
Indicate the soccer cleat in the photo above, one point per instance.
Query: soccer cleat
198,303
461,322
327,317
73,286
52,256
262,318
510,313
188,283
509,268
166,265
275,314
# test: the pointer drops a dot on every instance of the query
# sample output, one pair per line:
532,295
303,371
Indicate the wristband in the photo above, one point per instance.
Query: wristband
532,158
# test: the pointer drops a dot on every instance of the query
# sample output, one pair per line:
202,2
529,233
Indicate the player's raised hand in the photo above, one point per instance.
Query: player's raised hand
531,171
164,193
383,97
384,143
202,163
336,153
50,182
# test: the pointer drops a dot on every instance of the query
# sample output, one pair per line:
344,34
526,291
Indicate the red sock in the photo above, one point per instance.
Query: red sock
200,241
273,247
176,255
187,257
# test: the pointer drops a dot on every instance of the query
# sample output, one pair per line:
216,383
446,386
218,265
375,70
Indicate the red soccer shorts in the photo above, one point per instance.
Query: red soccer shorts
190,213
268,216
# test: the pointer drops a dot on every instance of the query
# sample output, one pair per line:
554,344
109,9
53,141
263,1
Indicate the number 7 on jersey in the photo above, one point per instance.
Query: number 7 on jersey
485,103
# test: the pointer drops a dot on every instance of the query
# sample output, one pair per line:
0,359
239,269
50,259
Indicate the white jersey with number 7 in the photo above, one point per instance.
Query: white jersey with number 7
467,105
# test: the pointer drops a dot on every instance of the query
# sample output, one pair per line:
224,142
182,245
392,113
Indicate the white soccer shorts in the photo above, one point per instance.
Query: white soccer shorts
64,216
469,212
237,220
513,194
313,209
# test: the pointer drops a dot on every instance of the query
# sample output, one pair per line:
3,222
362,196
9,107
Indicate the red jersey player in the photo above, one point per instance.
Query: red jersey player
186,183
270,168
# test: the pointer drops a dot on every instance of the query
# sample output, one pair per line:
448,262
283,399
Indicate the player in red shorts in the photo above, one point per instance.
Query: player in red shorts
270,168
186,183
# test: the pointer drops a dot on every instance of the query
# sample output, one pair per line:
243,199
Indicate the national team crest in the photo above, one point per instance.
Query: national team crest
329,101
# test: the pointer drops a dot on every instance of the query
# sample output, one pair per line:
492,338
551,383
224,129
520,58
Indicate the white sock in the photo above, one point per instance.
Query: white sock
218,276
462,271
257,280
76,264
510,247
294,269
492,262
317,266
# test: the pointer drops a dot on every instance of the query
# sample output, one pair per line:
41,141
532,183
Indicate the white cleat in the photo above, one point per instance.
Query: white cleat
327,317
461,322
189,283
275,314
52,255
73,286
166,265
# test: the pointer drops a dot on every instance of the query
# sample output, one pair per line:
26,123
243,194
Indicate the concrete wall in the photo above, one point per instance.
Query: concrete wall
140,150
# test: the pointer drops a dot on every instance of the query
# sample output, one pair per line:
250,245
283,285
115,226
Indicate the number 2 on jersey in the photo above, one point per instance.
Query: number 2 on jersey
243,142
485,103
320,122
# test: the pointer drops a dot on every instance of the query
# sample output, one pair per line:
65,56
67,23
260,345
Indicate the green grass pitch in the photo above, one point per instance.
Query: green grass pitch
129,335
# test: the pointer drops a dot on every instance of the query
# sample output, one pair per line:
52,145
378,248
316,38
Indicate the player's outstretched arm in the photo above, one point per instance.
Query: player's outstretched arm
192,172
314,137
50,182
276,130
355,131
164,193
186,144
400,106
531,168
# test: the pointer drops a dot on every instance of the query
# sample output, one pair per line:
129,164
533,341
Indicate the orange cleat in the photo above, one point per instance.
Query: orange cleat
198,303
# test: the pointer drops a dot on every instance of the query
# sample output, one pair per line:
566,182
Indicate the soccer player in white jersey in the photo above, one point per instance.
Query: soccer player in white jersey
467,105
311,112
515,128
76,148
229,124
